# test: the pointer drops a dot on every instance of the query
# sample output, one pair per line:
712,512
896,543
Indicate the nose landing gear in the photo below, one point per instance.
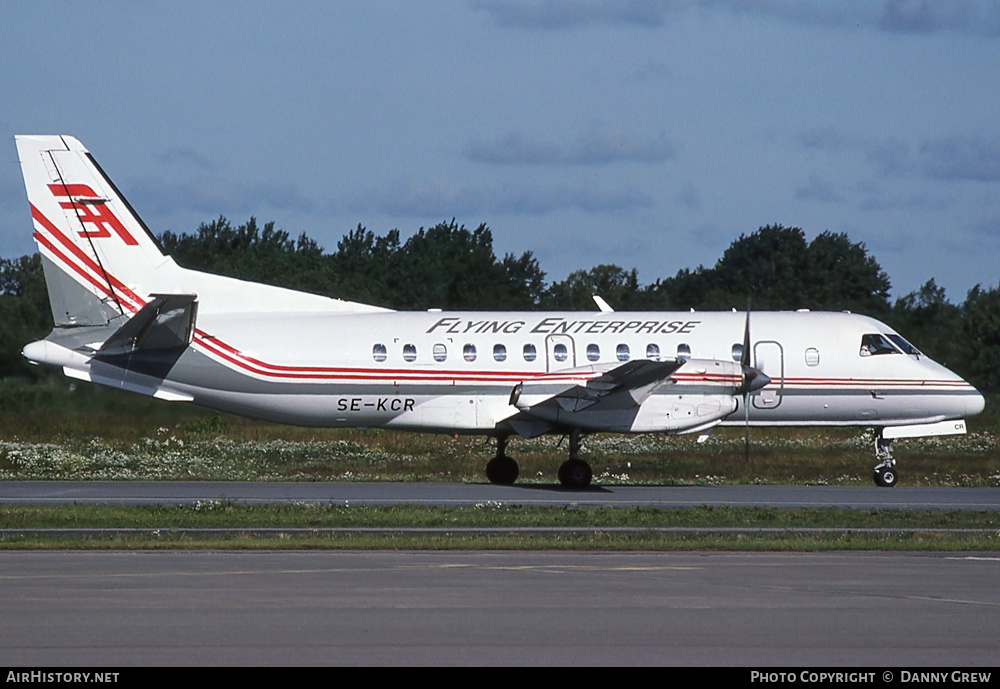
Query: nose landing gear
885,474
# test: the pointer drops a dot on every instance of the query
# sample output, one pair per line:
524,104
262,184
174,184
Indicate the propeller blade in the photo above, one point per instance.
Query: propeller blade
751,381
746,427
745,356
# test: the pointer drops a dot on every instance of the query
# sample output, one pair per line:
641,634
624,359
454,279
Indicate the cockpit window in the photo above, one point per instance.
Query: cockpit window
874,344
903,344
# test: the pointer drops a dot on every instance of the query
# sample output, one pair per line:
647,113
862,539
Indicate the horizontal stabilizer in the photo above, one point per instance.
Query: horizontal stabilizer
119,384
165,323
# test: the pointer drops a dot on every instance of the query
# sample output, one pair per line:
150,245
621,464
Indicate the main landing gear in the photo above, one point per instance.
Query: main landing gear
502,470
885,474
573,473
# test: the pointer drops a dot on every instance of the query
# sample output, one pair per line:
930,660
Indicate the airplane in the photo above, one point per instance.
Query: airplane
128,317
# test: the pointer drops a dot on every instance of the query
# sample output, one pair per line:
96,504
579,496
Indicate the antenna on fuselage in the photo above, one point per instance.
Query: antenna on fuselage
604,306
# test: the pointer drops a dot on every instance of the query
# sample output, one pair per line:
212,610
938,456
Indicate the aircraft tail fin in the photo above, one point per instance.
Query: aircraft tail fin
101,262
97,254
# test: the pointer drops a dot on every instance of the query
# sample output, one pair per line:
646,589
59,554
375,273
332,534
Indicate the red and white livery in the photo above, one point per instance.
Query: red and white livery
128,317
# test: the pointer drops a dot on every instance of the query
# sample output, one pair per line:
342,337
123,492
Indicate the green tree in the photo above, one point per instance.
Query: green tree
777,269
25,315
843,276
981,331
250,252
449,267
363,264
617,286
931,322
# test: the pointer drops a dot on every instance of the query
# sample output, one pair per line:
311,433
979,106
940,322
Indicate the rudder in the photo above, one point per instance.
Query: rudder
97,254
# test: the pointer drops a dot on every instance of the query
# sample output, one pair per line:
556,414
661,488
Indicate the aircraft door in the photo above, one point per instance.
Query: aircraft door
769,358
560,352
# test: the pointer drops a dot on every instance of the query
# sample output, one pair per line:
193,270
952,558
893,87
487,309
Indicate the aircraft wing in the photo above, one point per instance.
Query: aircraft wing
607,400
623,386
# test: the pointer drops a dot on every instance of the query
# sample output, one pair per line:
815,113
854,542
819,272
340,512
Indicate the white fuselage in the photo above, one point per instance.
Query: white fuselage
455,372
128,317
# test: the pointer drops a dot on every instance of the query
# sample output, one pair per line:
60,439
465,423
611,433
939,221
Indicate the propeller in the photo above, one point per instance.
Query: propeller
753,379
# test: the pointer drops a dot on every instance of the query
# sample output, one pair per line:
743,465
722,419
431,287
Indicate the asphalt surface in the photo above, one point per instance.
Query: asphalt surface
883,611
457,494
865,610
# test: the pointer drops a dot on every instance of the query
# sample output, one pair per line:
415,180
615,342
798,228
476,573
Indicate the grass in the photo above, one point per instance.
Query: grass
60,430
235,450
491,526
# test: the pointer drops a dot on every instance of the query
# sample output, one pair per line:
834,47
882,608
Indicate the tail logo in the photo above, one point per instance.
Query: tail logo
92,210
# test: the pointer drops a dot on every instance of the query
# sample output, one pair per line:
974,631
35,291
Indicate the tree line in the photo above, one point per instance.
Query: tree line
450,267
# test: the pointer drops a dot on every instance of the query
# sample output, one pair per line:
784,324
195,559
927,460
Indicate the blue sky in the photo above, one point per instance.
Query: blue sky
646,134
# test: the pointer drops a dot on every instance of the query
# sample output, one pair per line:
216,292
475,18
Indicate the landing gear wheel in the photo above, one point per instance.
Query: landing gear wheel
885,472
885,477
575,473
502,470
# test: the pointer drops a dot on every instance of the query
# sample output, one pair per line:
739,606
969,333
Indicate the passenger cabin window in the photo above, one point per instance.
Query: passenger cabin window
409,352
622,352
560,353
812,357
469,352
684,351
593,352
653,352
440,352
874,344
529,352
499,352
737,352
379,352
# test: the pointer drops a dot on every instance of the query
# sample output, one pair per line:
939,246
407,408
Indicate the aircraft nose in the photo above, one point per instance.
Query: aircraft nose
975,403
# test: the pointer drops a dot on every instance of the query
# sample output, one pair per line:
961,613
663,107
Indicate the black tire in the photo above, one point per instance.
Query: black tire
575,473
502,470
886,477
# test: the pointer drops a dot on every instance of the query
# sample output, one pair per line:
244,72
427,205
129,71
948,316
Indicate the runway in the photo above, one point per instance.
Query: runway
458,494
878,610
869,610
